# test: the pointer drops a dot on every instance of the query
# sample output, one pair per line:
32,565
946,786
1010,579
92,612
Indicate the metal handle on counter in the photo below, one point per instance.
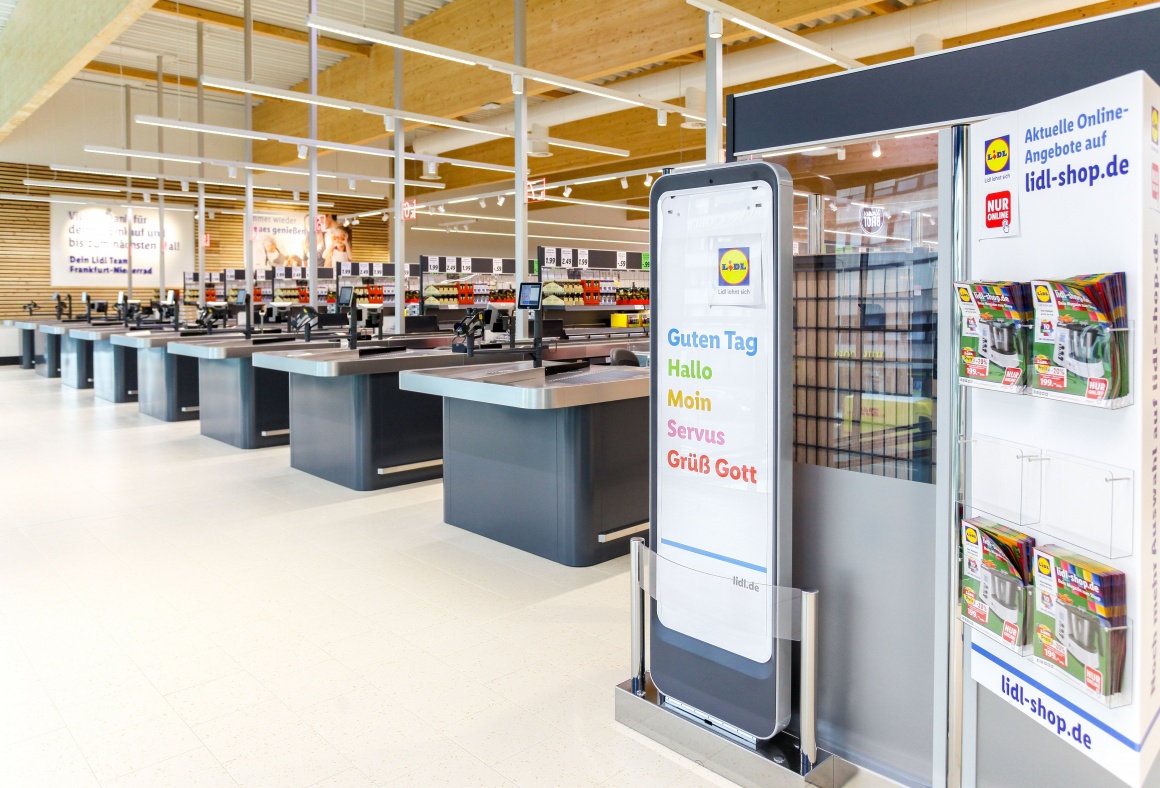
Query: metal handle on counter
808,719
637,610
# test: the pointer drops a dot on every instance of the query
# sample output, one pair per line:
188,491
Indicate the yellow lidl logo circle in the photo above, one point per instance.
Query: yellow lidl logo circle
1155,125
972,536
1044,566
733,267
998,155
1042,294
964,295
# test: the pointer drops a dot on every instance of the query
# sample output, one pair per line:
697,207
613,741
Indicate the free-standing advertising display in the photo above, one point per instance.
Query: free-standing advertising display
721,489
1062,458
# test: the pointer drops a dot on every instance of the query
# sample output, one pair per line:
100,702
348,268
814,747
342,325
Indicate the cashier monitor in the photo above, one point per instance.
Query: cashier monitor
345,294
530,295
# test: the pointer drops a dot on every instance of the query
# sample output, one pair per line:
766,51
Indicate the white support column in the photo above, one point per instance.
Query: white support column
129,196
312,260
160,182
714,115
247,241
398,225
201,226
520,198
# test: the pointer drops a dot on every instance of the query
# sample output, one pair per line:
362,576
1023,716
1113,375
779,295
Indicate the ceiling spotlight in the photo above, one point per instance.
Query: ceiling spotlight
384,217
213,214
662,118
538,142
482,203
146,196
233,171
499,200
518,84
350,183
624,183
302,151
876,151
356,221
834,207
695,103
197,215
842,153
295,196
567,191
346,222
430,171
714,24
440,208
648,179
185,186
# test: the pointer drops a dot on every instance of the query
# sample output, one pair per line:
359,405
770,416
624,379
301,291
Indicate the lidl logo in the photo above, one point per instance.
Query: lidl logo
964,295
1044,566
733,267
1042,294
1155,126
972,536
998,155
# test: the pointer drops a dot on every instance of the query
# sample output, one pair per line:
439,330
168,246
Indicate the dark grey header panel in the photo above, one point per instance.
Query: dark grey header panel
971,82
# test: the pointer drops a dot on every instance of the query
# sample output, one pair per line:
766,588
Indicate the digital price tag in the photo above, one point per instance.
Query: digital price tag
550,258
497,265
452,265
465,265
377,269
565,258
298,273
582,258
344,269
622,260
432,265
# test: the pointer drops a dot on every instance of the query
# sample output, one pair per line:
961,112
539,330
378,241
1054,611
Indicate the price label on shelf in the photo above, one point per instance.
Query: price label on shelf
465,265
452,265
376,269
622,260
582,258
497,265
550,258
344,269
565,258
433,265
298,273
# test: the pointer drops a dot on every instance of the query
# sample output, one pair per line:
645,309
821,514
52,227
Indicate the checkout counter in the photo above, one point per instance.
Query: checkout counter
240,404
551,462
34,331
112,369
167,384
31,340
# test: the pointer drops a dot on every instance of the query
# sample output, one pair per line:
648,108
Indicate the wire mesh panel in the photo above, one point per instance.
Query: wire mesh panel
864,371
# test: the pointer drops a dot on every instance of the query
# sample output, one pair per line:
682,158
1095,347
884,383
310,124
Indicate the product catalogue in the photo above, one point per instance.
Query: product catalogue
997,564
993,342
1080,618
1080,350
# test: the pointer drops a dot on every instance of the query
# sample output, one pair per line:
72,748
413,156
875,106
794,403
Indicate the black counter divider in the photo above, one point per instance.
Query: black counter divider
959,84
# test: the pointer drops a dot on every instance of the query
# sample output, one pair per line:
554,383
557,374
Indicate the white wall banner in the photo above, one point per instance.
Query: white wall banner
88,248
279,239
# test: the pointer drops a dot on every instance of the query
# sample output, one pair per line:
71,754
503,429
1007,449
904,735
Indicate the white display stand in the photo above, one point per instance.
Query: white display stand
1083,181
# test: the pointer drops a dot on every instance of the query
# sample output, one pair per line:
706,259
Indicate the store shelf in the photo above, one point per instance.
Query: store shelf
599,308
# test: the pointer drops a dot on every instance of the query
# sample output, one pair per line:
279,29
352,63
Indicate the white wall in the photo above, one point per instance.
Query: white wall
91,113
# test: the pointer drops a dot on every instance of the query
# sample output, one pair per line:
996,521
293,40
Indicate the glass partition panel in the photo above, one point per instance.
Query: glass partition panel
865,262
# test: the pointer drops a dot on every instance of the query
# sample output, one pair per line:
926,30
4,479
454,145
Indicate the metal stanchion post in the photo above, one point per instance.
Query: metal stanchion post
638,607
809,680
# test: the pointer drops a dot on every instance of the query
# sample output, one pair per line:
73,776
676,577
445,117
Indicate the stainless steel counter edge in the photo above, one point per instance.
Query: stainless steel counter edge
526,394
97,333
151,339
345,362
221,349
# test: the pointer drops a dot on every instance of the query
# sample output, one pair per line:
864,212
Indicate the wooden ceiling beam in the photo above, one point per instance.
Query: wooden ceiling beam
584,41
260,28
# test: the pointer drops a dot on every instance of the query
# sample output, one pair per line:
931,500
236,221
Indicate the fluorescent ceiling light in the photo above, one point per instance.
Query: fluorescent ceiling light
585,146
411,45
915,134
548,237
474,217
596,204
88,187
775,154
238,86
769,30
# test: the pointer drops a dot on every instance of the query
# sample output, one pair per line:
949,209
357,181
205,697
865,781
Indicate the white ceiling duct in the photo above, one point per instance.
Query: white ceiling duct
900,30
695,101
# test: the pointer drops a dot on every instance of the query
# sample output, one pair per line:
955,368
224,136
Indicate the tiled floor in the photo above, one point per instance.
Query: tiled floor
175,611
